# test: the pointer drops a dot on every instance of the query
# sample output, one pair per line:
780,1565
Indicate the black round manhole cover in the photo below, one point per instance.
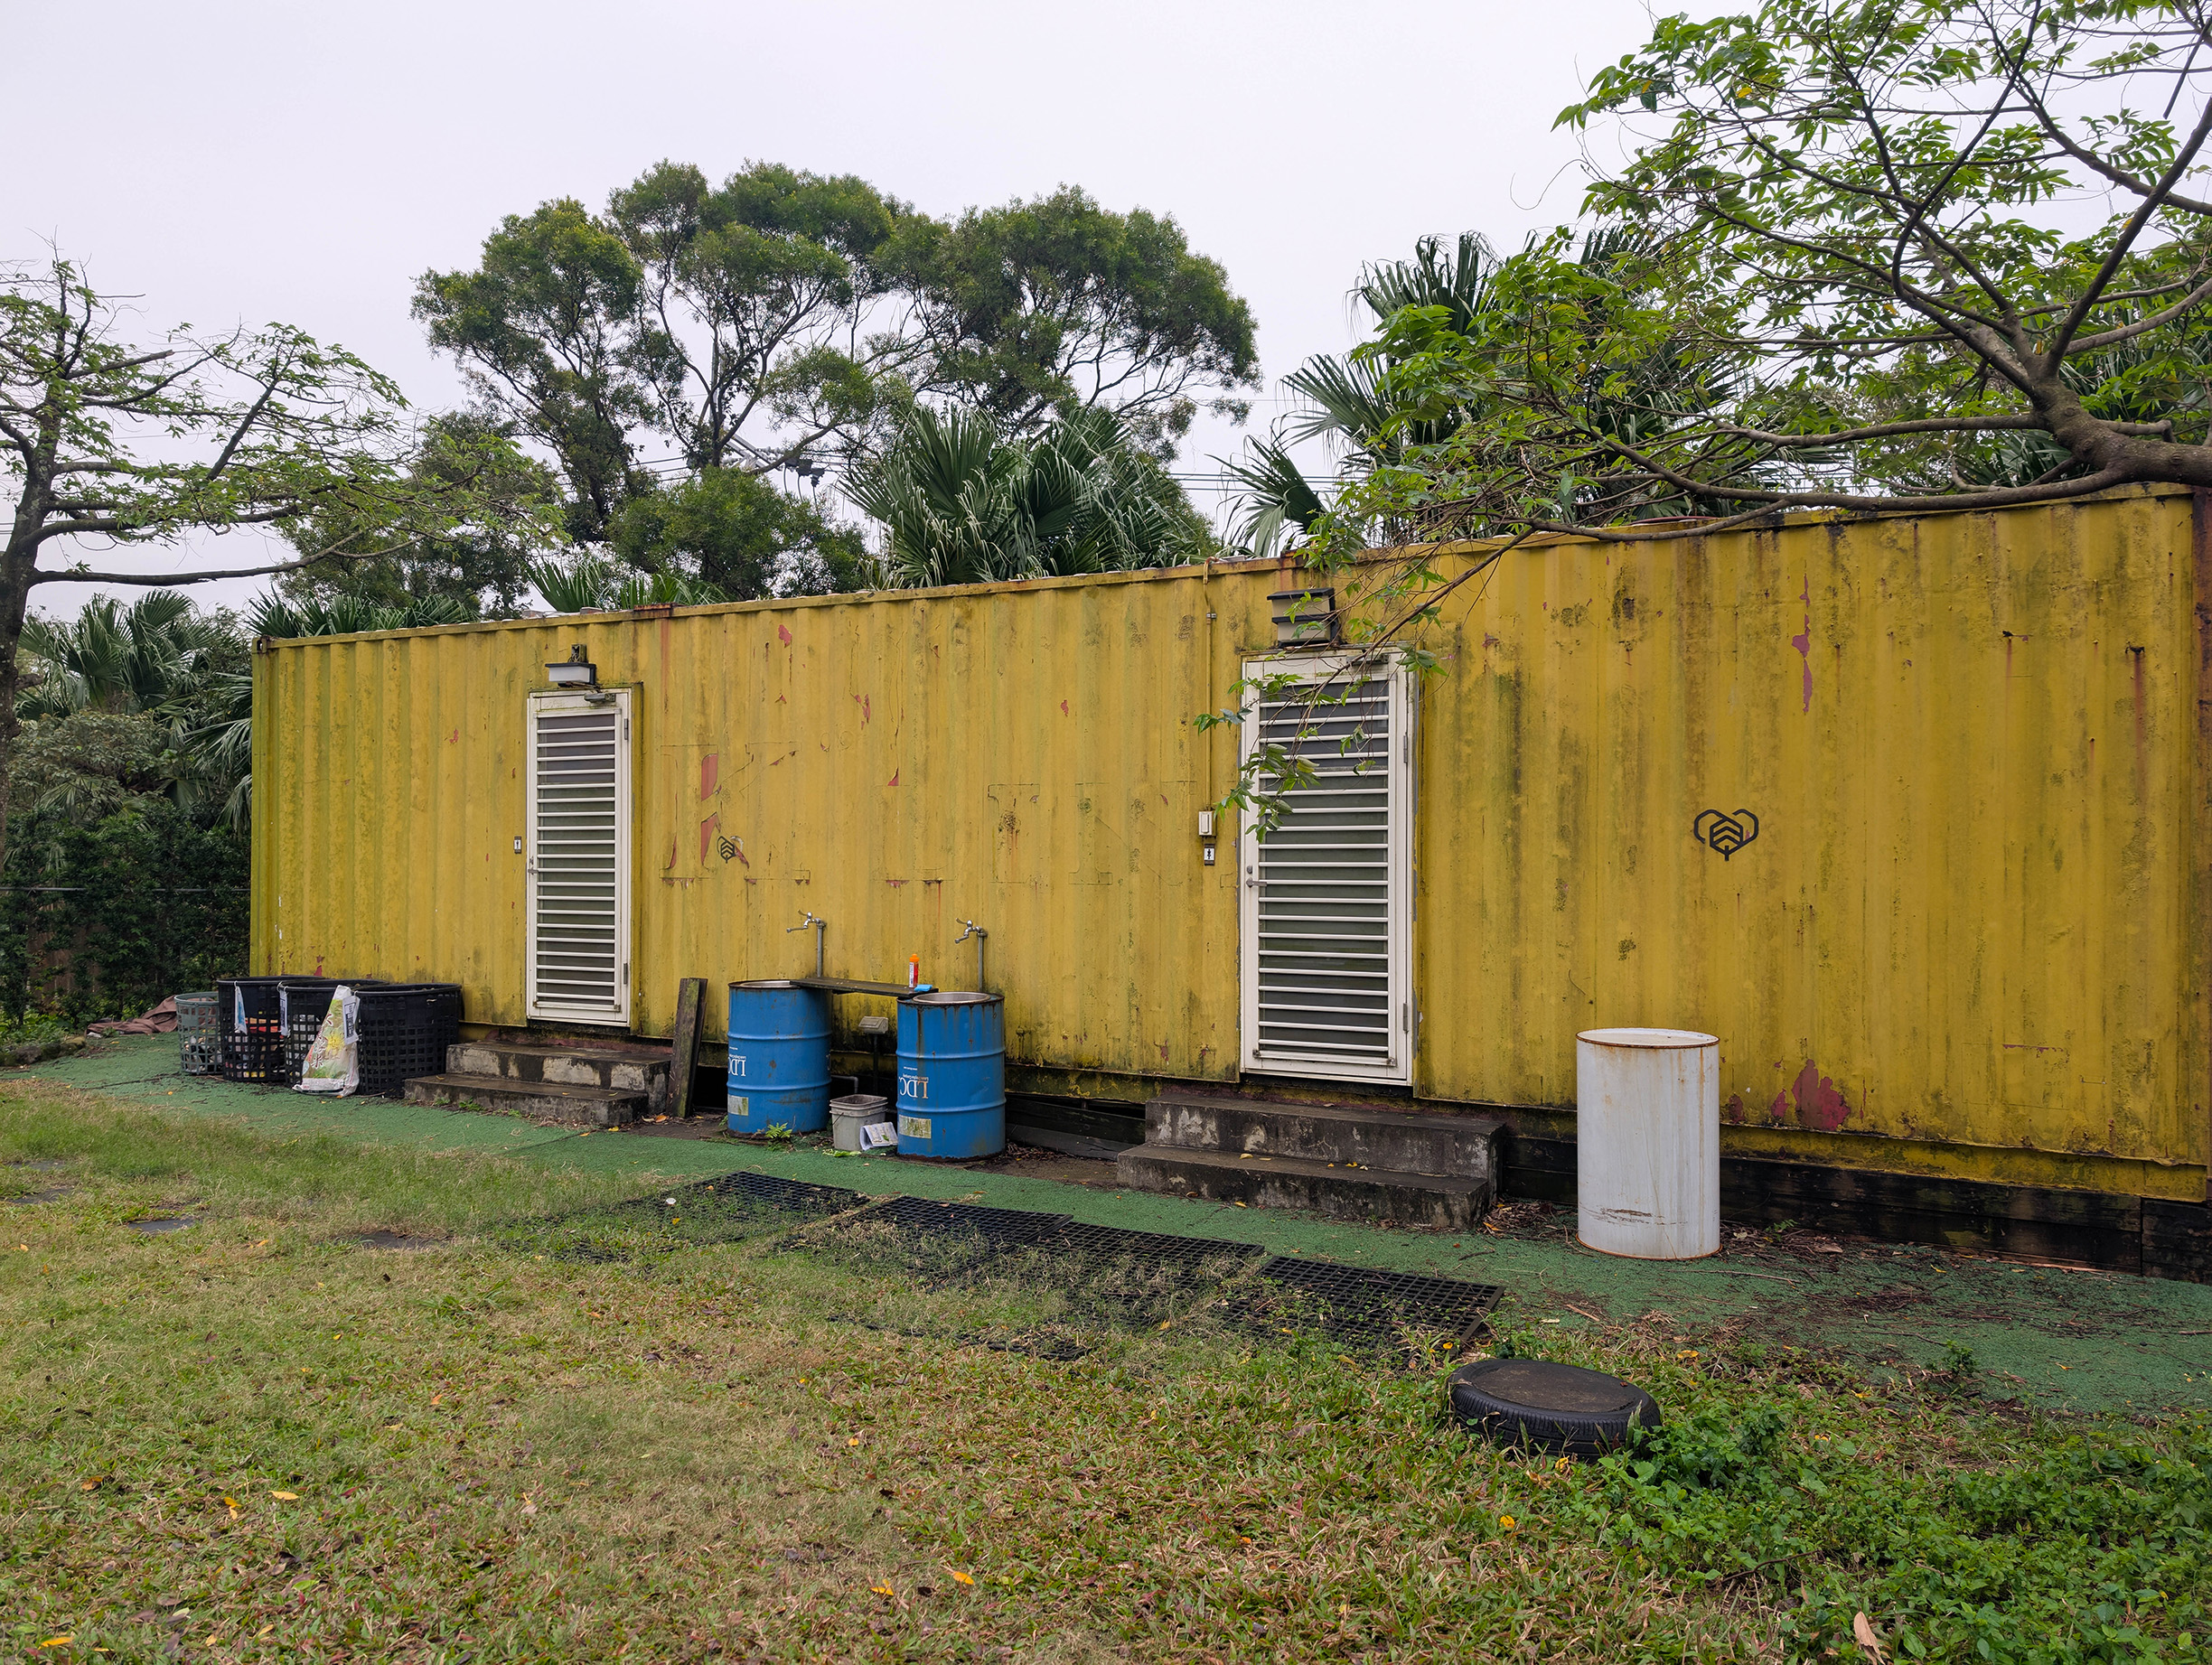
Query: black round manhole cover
159,1225
1557,1407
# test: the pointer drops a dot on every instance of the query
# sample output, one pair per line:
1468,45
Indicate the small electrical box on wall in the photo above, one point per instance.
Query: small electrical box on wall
1205,831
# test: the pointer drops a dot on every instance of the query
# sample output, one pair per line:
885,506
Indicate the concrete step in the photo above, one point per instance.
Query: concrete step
569,1103
618,1069
1373,1135
1452,1202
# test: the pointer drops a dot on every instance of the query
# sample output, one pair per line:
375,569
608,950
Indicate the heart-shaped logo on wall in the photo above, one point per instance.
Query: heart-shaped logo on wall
1717,829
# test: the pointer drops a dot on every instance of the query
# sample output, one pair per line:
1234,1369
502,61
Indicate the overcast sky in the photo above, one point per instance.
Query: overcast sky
232,162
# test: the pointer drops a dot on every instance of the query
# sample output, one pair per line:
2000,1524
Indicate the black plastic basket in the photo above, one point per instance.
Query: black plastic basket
404,1029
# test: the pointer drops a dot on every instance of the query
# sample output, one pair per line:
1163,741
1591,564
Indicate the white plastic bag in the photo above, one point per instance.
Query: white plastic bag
333,1061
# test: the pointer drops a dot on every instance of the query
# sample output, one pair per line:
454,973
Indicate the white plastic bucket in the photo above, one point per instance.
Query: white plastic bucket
1647,1142
850,1117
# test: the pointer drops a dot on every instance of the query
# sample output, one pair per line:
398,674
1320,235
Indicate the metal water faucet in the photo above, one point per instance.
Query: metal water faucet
981,936
821,926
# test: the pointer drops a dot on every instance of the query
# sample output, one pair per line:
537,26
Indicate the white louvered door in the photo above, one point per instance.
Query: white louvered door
1327,895
578,841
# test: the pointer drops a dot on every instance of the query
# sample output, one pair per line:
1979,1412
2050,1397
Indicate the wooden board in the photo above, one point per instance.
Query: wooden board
683,1045
2177,1239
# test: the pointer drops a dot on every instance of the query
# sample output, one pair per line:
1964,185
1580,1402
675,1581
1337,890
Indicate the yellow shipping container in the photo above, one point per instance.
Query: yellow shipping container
1911,812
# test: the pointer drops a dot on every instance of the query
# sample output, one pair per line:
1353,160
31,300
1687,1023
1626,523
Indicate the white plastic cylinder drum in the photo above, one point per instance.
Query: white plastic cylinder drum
1647,1142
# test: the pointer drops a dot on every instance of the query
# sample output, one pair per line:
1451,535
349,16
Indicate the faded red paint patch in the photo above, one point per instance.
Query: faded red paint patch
783,635
861,700
453,738
1733,1109
710,773
1063,710
708,829
1819,1102
893,777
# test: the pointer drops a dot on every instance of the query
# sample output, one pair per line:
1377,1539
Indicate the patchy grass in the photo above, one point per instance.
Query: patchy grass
257,1438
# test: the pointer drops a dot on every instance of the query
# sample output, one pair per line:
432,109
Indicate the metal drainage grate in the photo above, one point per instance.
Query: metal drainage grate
1057,1234
705,1211
793,1196
1156,1247
1357,1304
1011,1228
1349,1304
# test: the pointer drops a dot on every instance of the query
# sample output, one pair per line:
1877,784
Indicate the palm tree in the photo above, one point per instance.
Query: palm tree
114,658
591,584
1354,404
963,504
281,618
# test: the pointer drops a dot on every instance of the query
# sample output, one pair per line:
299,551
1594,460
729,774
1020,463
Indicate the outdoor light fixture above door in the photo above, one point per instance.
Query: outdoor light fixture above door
576,671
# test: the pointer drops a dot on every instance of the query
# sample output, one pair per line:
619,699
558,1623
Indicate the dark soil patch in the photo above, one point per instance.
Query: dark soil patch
1878,1301
395,1240
706,1125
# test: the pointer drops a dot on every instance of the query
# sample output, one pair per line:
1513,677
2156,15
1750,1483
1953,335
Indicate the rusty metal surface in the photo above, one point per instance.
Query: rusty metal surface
1948,890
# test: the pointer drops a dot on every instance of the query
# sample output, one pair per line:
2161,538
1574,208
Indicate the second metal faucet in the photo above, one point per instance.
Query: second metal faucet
821,926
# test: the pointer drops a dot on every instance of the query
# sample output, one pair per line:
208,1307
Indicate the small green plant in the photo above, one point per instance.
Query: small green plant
31,1025
777,1133
1958,1367
1780,1230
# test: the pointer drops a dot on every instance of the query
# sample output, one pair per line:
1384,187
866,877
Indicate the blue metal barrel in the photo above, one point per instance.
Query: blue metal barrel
952,1075
779,1058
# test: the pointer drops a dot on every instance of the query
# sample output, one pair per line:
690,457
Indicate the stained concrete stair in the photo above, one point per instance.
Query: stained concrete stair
1349,1160
576,1086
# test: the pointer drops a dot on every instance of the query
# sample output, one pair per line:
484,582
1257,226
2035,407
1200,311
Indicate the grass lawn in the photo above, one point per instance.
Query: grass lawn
258,1438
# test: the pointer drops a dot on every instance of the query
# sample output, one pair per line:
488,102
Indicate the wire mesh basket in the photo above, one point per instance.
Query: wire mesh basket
198,1048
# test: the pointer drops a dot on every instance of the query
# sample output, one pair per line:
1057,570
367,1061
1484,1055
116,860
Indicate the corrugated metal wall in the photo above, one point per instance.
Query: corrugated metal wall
1018,756
1970,914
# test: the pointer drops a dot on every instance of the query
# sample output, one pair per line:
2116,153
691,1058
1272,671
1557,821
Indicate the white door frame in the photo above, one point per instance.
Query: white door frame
551,703
1275,1058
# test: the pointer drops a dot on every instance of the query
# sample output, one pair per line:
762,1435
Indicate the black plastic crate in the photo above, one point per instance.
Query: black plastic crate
404,1031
